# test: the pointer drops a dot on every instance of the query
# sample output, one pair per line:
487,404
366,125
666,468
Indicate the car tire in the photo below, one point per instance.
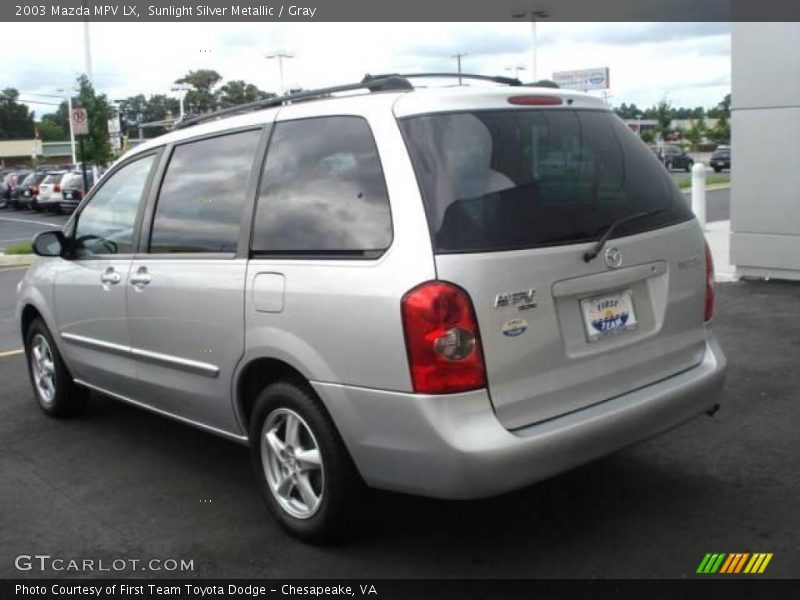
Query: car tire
305,473
717,169
36,208
56,392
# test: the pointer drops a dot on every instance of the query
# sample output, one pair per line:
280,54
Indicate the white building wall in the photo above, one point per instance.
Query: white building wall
765,140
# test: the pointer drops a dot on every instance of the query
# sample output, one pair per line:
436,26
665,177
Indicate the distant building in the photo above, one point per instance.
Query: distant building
640,125
684,124
20,153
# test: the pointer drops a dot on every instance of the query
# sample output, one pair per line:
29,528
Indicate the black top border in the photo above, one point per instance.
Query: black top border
405,11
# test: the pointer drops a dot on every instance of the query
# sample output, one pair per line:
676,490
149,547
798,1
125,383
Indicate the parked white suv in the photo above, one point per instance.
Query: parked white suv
451,292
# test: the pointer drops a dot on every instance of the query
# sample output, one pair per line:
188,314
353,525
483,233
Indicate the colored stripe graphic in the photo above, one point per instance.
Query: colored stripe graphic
711,563
734,563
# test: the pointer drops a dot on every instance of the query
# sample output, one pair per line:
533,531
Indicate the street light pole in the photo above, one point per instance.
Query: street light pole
458,57
182,89
280,56
516,70
534,15
71,130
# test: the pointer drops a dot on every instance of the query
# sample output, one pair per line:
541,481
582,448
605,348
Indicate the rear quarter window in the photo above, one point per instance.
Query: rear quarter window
510,179
323,191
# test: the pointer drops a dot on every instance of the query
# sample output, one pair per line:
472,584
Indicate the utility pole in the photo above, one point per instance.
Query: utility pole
458,57
280,56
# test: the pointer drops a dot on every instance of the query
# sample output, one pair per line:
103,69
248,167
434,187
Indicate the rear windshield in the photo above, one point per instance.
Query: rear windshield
512,179
53,178
73,181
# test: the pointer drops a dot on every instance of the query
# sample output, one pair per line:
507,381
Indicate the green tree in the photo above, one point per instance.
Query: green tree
694,135
96,146
203,97
16,120
648,135
721,132
238,92
664,113
50,130
722,109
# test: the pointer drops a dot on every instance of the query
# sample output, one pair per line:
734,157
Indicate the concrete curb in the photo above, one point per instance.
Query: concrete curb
16,260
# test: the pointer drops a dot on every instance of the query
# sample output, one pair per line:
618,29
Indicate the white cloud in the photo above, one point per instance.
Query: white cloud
687,62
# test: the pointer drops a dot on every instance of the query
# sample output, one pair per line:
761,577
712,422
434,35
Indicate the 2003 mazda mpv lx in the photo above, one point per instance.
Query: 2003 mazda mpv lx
451,291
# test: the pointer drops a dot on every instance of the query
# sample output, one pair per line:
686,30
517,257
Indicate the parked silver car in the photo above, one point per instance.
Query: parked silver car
451,292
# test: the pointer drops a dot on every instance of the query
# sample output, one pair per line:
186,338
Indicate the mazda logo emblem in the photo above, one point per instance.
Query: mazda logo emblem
613,258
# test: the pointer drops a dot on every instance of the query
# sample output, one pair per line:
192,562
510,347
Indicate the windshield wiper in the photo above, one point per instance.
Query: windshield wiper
592,253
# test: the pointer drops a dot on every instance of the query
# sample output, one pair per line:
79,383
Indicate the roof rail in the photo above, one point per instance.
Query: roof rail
382,83
513,81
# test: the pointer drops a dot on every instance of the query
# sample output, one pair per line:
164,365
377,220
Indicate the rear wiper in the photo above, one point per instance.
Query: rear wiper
592,253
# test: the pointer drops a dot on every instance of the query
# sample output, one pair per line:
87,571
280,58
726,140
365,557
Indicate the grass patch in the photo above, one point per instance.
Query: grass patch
23,248
685,181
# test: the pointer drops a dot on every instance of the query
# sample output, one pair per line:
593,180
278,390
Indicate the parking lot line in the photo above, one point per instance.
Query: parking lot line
7,353
43,223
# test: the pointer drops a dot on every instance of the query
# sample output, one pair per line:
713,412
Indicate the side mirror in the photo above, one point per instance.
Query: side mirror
49,243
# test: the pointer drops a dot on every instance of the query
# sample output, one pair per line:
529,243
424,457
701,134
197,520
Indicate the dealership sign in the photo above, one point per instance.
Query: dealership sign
583,79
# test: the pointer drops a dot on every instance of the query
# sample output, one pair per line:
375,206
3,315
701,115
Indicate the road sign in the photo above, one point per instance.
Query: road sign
583,79
80,123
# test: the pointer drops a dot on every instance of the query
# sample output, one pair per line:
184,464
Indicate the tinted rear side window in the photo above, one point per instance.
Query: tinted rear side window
200,203
323,191
511,179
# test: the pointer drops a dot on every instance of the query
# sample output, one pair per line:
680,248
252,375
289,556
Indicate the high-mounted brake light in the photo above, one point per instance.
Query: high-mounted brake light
442,339
535,100
710,287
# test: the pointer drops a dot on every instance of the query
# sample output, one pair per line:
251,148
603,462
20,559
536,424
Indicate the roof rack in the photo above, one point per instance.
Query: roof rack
512,81
373,83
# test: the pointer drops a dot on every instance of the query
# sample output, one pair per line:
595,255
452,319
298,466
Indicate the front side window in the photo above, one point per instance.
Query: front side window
510,179
200,203
323,191
105,225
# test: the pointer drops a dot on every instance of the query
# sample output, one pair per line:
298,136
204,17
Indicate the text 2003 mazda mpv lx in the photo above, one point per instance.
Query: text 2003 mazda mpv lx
451,291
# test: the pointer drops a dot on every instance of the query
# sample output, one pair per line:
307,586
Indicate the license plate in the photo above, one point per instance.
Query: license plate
608,315
69,196
26,193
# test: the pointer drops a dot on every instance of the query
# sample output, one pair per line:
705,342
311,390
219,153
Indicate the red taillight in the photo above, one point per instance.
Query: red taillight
35,191
710,292
442,339
535,100
56,188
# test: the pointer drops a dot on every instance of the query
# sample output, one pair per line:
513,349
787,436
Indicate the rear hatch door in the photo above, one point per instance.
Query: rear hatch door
514,198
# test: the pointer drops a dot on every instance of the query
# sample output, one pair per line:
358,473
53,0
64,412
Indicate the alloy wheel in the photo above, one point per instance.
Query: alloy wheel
292,463
43,369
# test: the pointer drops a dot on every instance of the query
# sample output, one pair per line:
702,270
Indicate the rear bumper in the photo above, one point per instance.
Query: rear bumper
454,447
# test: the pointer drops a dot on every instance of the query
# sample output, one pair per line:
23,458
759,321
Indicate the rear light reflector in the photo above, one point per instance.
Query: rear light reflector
442,339
535,100
710,287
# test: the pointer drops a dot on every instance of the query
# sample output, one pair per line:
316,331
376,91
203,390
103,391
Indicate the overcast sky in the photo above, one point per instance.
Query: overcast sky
689,63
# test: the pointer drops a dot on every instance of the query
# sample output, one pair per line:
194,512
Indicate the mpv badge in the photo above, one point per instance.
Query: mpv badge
613,258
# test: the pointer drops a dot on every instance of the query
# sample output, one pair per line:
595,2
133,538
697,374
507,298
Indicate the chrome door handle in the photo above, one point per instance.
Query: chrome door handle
110,277
141,278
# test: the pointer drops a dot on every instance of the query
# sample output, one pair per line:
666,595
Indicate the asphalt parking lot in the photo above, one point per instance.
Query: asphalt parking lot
122,483
19,226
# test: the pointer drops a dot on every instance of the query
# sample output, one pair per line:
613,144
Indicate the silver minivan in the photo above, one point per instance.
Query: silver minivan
445,291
